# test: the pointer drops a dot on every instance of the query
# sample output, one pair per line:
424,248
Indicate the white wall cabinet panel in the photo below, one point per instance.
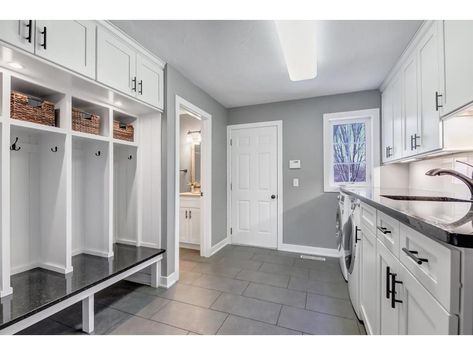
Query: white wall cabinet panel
430,90
68,43
410,107
396,100
150,81
387,124
368,301
458,69
19,33
420,313
116,63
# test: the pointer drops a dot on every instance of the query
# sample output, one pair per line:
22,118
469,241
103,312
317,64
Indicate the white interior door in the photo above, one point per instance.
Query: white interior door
254,186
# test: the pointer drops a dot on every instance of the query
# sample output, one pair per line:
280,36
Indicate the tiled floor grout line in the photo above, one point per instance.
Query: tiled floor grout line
221,325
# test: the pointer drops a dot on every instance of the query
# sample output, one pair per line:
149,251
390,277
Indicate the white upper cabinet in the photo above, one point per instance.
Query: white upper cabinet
116,63
458,65
392,121
19,33
149,81
68,43
411,139
429,56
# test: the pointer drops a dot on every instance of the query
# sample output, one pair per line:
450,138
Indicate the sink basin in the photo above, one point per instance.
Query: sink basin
425,198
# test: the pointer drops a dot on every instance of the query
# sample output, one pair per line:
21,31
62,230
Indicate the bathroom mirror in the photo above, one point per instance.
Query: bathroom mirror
195,163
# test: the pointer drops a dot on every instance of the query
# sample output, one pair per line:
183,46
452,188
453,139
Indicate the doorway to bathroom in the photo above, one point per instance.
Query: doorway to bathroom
193,179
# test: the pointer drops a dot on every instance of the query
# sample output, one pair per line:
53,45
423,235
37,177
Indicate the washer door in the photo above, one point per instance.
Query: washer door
348,243
339,227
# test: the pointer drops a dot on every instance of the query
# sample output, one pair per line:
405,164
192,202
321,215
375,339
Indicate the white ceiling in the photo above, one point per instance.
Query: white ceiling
241,63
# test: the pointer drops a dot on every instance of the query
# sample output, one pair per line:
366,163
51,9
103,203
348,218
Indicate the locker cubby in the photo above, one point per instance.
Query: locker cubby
125,191
38,186
95,109
44,93
90,197
127,119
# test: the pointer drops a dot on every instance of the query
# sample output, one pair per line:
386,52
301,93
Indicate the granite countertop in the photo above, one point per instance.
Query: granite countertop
37,289
447,222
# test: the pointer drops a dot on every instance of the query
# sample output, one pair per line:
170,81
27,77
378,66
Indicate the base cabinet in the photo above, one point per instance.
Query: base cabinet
189,220
368,298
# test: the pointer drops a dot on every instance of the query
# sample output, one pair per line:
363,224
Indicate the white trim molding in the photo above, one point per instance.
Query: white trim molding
303,249
219,246
280,199
168,281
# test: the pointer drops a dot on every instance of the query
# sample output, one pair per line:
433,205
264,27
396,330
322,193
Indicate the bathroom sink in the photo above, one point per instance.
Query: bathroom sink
425,198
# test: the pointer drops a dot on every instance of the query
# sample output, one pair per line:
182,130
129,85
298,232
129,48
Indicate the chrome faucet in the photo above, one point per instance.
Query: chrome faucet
467,180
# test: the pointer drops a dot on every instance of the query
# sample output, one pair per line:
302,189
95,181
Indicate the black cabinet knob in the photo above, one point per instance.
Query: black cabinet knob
273,197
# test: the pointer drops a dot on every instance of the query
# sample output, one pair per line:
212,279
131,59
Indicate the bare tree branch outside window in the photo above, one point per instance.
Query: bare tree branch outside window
349,153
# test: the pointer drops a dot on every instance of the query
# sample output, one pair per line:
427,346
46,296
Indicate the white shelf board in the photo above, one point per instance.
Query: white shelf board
126,143
89,136
36,126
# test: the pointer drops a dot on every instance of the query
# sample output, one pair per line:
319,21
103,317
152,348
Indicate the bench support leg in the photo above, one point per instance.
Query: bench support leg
155,274
88,314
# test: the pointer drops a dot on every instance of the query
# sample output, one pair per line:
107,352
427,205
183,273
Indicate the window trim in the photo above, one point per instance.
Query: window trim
370,117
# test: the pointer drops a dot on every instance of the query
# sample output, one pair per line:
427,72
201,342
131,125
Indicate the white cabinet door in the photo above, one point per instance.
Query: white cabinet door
368,294
149,81
116,63
387,124
387,266
19,33
458,65
194,225
68,43
183,225
410,108
420,313
430,61
396,101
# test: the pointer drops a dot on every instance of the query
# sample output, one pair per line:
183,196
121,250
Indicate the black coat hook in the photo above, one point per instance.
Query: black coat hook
54,150
14,146
130,157
98,153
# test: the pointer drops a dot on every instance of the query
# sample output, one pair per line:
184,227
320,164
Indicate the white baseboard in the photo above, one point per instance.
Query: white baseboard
168,281
100,253
189,246
127,242
149,245
217,247
295,248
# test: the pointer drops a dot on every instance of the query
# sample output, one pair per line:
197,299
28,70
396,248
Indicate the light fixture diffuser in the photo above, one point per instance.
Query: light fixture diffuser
298,44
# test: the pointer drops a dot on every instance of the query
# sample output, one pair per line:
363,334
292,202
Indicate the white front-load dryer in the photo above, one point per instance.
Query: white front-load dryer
353,261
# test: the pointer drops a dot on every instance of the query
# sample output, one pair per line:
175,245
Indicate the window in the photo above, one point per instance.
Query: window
347,149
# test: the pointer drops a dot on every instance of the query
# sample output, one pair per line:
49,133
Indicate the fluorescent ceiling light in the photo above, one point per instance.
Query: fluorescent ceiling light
298,45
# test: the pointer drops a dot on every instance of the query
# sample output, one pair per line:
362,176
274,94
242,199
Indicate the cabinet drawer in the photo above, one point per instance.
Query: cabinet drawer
387,231
435,266
190,202
368,217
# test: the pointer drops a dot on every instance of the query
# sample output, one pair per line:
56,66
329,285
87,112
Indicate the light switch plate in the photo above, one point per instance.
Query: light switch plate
295,182
294,164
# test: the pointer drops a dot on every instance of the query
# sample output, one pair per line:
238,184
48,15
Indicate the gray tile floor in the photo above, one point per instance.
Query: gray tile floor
240,290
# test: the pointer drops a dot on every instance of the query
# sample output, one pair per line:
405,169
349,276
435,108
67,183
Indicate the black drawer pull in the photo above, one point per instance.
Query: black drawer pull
413,255
133,84
30,28
186,214
140,90
45,37
383,230
393,290
356,234
388,275
437,105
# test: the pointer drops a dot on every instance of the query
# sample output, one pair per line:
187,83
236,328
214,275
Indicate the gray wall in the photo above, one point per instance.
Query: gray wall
309,213
176,84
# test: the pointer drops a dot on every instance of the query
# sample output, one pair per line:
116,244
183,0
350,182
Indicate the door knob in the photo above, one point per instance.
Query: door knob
273,197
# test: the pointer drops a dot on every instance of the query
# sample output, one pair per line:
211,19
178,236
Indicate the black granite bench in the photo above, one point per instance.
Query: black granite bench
39,293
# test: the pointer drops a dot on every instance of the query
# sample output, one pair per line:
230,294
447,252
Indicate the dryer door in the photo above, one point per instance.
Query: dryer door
350,262
348,230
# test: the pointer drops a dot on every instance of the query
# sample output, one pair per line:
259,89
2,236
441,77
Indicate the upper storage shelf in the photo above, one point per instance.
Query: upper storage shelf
90,118
134,74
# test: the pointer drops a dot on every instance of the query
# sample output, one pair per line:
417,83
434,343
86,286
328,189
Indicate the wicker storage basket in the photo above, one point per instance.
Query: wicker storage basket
123,131
85,122
32,109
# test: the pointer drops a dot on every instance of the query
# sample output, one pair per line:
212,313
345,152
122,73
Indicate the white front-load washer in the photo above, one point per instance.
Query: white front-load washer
343,212
352,261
